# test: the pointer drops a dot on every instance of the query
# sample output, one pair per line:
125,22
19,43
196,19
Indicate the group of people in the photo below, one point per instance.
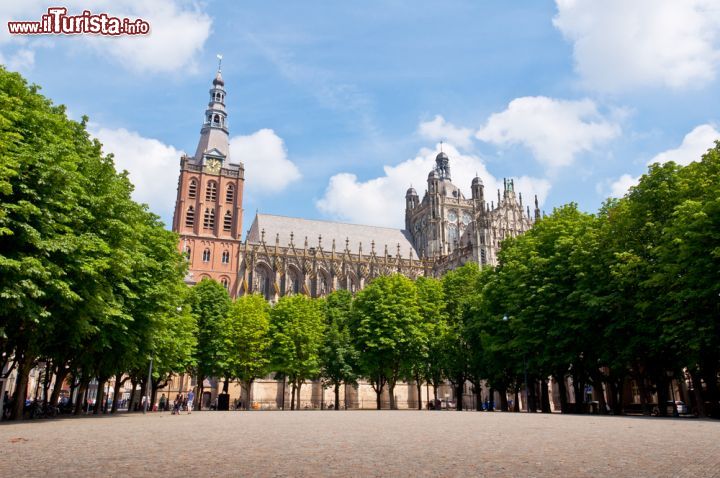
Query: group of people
181,403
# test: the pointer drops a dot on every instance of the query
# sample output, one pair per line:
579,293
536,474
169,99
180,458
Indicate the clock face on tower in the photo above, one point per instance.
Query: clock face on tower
466,218
452,216
213,165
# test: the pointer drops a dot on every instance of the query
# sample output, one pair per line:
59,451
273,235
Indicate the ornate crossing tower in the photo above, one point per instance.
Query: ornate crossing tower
208,209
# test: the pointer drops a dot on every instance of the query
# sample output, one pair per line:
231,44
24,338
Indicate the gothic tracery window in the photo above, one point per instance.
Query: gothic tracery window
209,219
230,193
227,221
190,217
226,257
211,193
192,189
206,255
225,283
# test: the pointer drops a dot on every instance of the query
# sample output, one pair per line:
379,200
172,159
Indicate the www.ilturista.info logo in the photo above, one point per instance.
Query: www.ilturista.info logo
58,22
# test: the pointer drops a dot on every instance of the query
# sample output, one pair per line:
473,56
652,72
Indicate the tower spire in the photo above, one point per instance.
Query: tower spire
214,141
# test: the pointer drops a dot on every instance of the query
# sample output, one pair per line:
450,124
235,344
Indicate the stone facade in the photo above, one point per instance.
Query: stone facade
208,209
282,255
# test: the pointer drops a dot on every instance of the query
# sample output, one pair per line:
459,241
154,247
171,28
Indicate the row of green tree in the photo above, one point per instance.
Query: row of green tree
91,283
91,287
627,297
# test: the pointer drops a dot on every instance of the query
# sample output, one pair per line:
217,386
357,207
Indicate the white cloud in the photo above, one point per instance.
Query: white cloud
381,201
694,145
438,129
265,158
621,44
21,60
153,167
554,130
178,31
620,186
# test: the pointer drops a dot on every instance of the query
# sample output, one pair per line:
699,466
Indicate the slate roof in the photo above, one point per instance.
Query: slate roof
329,230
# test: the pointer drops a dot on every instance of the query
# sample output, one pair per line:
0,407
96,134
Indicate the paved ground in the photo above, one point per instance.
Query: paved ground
361,443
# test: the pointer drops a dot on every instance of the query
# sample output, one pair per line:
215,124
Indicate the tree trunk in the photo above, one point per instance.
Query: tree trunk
662,393
545,396
299,386
600,385
59,380
153,393
418,384
697,390
532,396
282,402
712,395
246,395
644,397
459,395
577,391
143,393
337,395
49,372
116,392
21,382
620,406
226,385
100,395
201,391
378,392
292,396
478,398
391,390
516,402
82,391
562,387
132,394
503,399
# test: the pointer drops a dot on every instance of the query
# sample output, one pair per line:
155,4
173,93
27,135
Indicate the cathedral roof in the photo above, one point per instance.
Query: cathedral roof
354,233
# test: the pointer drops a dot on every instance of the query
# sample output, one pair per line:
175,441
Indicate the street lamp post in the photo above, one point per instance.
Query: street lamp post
148,387
672,391
527,405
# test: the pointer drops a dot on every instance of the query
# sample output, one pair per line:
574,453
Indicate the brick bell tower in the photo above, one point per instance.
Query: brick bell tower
208,209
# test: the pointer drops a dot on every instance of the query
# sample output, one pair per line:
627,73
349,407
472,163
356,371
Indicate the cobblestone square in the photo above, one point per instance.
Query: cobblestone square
361,443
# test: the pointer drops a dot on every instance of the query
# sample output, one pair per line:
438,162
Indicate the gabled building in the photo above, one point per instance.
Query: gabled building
283,255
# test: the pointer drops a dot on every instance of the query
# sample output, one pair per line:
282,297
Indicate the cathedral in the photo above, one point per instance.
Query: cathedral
283,255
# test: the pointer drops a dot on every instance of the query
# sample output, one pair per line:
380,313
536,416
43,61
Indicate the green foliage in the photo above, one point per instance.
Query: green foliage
386,329
88,277
338,357
296,327
247,338
210,305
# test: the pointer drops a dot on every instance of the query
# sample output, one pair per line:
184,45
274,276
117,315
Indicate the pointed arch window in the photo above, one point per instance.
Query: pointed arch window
227,221
225,283
188,252
211,193
226,257
209,220
230,193
190,217
192,189
206,255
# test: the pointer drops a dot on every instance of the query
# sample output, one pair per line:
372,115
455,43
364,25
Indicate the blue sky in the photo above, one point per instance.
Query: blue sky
335,108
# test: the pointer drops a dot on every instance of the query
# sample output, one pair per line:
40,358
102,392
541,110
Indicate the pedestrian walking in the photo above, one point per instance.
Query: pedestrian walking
177,404
190,398
162,402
